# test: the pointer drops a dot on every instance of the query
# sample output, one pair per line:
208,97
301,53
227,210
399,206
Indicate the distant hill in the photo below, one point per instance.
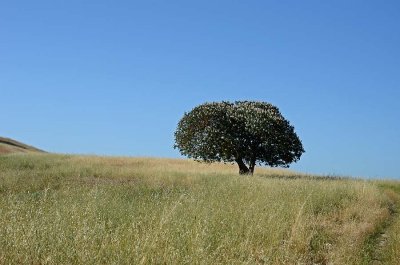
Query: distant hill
8,146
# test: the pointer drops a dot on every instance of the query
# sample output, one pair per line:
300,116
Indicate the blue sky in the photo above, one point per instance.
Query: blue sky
115,77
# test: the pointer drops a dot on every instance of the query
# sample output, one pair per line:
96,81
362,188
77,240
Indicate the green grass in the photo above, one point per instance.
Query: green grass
59,209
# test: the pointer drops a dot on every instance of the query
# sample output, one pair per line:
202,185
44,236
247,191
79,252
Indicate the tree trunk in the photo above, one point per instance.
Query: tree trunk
252,165
243,169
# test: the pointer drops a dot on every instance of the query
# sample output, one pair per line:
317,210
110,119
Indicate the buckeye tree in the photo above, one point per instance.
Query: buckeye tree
245,132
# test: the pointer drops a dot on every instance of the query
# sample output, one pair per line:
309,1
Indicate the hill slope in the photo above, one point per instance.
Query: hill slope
8,146
101,210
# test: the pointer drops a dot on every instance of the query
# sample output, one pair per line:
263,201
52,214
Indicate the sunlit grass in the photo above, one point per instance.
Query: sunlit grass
389,245
59,209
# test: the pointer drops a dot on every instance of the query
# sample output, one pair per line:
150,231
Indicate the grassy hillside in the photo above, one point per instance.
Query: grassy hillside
8,146
59,209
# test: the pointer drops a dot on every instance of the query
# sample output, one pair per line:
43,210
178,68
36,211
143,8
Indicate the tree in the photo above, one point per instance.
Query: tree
245,132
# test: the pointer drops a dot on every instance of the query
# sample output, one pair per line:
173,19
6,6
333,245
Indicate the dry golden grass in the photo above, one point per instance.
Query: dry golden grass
8,149
61,209
388,240
9,146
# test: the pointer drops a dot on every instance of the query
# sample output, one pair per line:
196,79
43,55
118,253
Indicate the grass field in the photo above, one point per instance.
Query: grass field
61,209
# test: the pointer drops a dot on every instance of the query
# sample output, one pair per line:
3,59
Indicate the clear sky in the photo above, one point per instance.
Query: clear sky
115,77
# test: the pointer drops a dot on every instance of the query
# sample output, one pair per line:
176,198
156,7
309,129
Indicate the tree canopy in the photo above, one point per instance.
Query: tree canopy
245,132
